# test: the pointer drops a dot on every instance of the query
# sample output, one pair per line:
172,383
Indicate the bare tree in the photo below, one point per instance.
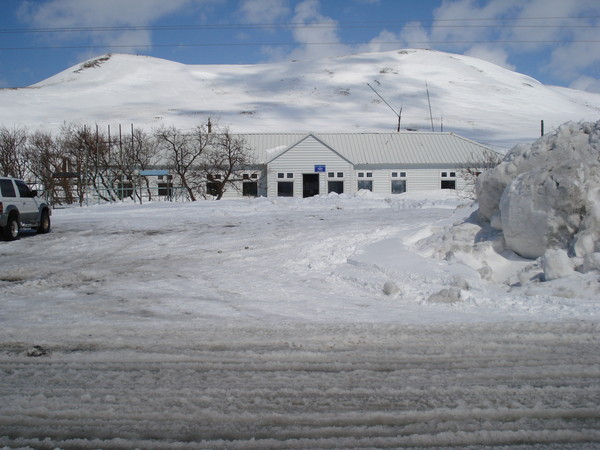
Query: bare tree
469,172
45,160
184,152
141,153
12,150
226,161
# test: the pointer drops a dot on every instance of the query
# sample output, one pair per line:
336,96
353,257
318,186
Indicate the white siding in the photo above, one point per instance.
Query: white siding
301,159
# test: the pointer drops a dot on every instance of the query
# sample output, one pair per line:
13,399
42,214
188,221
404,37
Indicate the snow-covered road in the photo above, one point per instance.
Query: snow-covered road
313,386
264,324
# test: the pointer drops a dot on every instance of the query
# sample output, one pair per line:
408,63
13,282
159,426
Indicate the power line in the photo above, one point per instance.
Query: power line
284,44
326,24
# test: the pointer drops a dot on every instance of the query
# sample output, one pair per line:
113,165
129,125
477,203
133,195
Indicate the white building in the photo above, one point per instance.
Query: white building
303,165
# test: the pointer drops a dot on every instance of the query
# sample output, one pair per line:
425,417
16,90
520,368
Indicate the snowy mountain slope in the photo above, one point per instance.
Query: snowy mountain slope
472,97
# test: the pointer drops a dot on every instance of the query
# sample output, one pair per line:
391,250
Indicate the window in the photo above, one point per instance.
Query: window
398,174
285,188
331,174
398,186
250,189
254,176
7,188
448,184
340,174
290,175
24,190
281,175
335,186
165,189
212,188
124,189
366,185
246,176
450,181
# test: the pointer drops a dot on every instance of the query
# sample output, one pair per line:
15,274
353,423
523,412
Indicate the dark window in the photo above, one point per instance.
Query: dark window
369,175
7,188
254,176
165,189
340,174
246,176
280,175
398,186
335,186
361,174
331,174
452,174
394,174
250,189
285,188
212,188
290,175
365,184
124,189
402,174
24,190
448,184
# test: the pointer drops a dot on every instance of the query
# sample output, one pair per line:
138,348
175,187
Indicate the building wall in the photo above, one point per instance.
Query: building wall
302,159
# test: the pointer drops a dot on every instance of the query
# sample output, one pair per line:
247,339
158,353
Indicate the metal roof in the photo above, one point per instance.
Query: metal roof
377,149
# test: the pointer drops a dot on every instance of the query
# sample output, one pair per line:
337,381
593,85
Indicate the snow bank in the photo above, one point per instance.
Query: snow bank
546,195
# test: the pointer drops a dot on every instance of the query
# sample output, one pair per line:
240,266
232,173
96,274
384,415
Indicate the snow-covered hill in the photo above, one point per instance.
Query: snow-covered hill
469,96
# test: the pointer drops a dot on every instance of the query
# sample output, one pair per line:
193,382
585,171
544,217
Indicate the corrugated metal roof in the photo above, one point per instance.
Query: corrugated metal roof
363,149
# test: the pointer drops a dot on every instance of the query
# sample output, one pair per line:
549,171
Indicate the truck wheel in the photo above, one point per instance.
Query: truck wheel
11,230
44,226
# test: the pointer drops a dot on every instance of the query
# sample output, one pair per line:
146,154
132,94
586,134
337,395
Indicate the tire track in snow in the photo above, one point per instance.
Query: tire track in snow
527,385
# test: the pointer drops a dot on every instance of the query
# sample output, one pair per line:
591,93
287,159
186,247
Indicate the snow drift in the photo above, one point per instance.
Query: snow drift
545,198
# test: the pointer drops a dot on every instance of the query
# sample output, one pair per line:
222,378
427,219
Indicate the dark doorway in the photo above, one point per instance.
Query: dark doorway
310,184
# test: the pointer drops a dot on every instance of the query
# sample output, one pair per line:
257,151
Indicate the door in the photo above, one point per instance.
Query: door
28,204
310,184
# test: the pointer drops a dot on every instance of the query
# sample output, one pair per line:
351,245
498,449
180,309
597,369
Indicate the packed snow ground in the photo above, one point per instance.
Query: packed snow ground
290,323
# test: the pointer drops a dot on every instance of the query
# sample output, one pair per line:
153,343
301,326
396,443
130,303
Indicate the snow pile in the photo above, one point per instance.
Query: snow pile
542,201
545,197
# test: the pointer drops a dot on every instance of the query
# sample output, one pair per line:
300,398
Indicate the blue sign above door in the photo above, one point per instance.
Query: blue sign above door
320,168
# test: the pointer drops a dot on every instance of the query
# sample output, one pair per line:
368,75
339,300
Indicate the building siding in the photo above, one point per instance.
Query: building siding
301,159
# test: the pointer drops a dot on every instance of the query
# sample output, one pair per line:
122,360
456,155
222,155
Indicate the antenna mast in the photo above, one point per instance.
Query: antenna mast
429,101
398,114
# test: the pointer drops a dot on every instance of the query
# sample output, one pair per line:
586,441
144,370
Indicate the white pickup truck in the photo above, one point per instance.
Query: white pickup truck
20,207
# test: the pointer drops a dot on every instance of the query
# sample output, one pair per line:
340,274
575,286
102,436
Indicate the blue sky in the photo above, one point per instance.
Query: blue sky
555,41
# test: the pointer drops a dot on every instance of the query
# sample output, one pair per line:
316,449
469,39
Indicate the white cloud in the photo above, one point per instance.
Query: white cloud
316,33
103,13
264,11
585,83
522,28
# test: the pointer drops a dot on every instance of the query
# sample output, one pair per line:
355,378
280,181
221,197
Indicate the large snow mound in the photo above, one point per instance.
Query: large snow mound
546,196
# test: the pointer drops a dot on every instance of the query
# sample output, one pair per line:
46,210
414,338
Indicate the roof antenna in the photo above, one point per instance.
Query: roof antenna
429,101
398,114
